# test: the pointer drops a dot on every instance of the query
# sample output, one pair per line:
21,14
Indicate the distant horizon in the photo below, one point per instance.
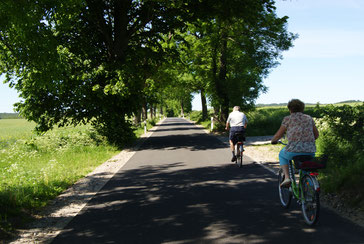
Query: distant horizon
197,106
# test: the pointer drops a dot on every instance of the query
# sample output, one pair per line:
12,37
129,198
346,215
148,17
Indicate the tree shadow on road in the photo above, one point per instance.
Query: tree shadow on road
218,204
192,141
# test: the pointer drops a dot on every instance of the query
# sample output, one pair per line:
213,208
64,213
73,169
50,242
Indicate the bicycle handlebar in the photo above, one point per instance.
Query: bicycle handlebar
279,141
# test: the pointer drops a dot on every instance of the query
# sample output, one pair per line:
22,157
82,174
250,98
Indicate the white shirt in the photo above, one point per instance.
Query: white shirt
237,118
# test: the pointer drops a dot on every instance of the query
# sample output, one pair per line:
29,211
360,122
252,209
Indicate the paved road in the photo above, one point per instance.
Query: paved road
181,188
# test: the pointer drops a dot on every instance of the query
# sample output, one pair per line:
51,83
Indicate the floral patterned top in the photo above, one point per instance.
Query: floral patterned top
299,133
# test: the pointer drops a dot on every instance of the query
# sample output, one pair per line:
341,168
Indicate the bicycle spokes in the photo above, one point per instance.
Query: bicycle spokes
310,200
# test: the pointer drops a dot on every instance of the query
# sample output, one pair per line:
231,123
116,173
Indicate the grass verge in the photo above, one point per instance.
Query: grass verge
34,169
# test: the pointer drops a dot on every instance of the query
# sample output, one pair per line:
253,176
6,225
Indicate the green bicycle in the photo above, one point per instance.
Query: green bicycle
304,187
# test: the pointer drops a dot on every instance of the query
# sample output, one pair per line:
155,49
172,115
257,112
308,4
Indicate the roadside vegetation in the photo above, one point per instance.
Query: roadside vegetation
341,129
34,169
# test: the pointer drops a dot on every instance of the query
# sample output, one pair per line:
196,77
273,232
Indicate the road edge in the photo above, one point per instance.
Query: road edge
60,211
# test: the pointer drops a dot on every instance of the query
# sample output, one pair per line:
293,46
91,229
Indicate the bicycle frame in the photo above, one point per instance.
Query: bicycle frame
306,191
297,188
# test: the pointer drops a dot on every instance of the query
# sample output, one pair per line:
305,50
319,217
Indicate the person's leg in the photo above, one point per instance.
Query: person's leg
284,158
231,146
231,141
283,162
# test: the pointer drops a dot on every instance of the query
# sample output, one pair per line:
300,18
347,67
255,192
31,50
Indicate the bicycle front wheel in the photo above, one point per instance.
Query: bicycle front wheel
310,200
285,195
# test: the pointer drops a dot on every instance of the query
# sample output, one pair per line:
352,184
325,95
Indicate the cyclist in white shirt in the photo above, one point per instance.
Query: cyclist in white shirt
238,123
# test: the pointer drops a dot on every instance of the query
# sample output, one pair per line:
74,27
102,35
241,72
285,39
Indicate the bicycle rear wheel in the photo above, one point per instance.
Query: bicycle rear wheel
310,200
240,156
285,195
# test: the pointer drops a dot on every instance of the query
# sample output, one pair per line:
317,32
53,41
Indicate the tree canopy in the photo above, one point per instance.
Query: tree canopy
102,61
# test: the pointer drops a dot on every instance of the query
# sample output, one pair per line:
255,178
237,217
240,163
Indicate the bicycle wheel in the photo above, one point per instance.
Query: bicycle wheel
310,200
240,156
237,154
285,195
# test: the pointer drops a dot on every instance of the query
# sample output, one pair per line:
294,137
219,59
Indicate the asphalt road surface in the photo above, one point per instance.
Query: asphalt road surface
180,187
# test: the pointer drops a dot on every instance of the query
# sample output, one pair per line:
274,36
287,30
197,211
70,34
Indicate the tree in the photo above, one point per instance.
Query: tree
81,61
241,54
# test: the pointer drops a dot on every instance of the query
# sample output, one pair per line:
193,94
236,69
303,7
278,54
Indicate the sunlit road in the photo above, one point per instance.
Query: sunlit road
180,187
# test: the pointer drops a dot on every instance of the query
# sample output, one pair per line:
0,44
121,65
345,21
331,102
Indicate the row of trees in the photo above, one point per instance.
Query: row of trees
106,61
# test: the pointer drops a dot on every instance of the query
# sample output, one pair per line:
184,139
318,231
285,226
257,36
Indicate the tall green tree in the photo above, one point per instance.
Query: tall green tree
80,61
238,53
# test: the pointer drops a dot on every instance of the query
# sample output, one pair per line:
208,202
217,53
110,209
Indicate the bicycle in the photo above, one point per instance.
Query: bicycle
305,189
239,148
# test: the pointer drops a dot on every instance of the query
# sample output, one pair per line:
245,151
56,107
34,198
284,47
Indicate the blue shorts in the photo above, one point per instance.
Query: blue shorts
285,156
236,130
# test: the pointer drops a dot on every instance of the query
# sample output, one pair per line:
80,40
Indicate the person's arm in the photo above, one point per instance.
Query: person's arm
315,131
227,123
279,134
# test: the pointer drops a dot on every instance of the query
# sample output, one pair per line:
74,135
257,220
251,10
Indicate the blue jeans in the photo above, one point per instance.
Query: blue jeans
285,156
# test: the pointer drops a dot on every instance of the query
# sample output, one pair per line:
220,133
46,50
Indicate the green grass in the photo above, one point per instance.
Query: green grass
35,169
12,130
139,130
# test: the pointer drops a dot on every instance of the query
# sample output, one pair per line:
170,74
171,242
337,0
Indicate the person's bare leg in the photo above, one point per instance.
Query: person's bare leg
285,171
231,145
233,159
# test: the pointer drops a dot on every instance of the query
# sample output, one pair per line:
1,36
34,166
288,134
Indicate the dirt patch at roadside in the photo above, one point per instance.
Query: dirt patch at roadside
264,155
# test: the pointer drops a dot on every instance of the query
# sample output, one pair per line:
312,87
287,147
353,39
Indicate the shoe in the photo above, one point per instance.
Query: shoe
286,183
233,159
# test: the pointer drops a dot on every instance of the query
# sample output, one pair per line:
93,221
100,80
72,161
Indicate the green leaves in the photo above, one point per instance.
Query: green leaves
75,61
346,123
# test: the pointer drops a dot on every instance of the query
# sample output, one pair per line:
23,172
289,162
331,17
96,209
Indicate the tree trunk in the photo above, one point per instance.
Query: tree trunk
161,110
151,112
221,81
204,105
182,112
144,112
137,117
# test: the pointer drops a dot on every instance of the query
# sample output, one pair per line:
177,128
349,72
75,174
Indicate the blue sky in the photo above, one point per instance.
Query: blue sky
325,65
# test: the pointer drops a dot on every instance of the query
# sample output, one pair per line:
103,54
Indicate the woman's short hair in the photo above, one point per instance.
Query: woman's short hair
296,105
236,108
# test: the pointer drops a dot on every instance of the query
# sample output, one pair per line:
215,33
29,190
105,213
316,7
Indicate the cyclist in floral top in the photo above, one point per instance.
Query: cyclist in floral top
301,134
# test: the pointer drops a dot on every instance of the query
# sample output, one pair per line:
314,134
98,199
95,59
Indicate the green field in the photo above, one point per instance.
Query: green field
36,168
14,129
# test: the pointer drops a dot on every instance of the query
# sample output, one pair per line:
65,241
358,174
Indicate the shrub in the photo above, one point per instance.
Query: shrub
341,137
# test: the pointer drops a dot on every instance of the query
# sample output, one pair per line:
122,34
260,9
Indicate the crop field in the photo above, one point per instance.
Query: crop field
14,129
